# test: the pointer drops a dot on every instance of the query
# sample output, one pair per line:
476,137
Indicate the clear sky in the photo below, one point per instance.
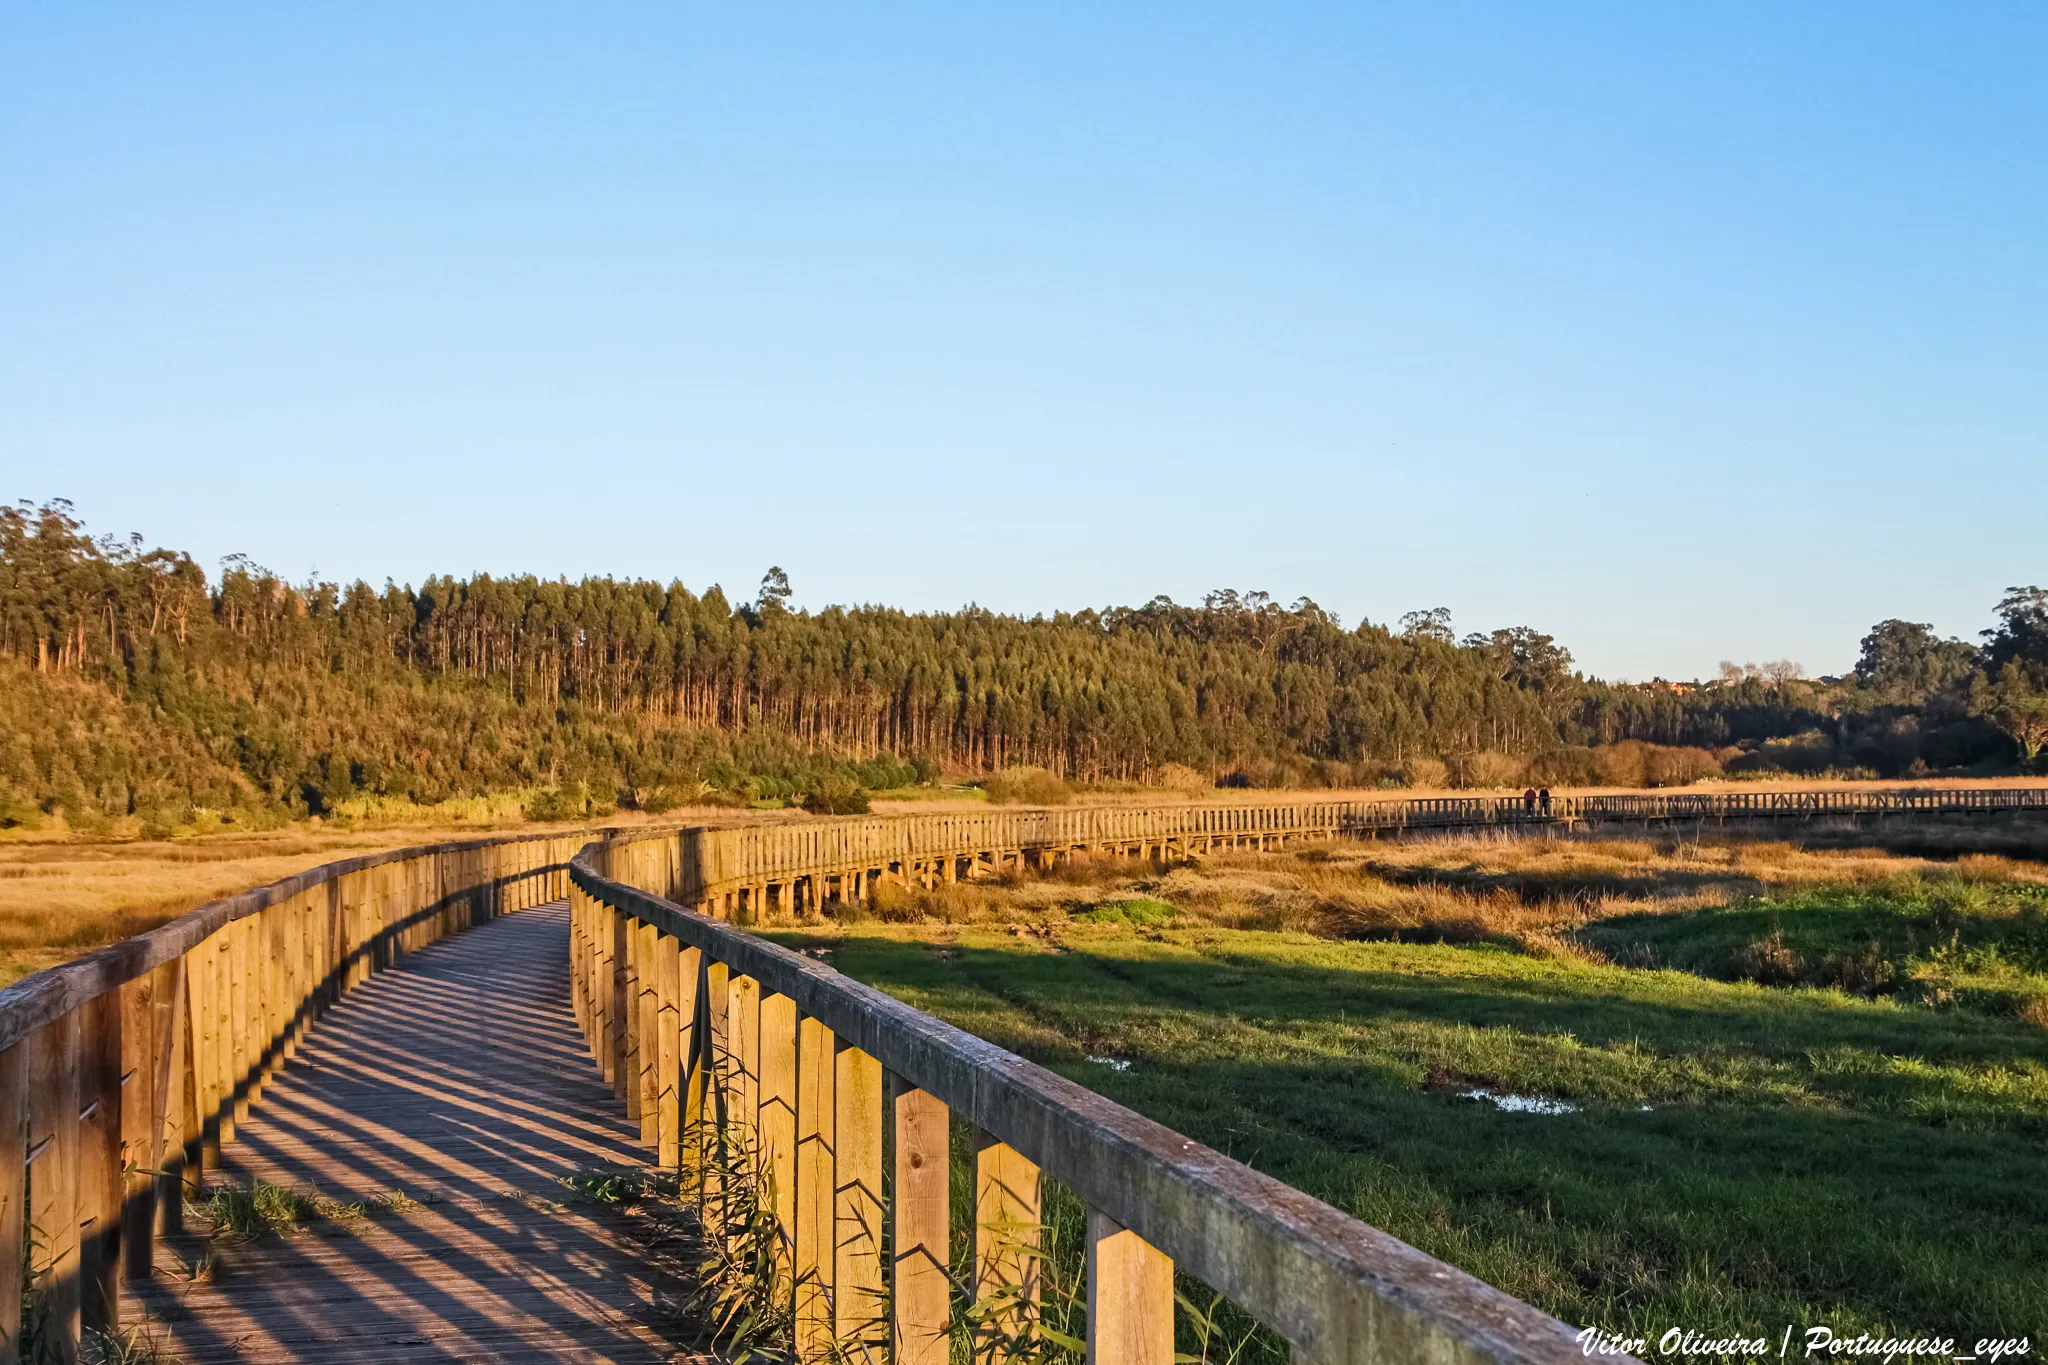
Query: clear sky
1683,332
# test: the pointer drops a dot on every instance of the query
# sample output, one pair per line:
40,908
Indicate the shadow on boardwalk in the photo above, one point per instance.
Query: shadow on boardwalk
460,1079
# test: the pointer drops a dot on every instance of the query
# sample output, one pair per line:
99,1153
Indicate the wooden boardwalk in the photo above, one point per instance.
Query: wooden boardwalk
459,1078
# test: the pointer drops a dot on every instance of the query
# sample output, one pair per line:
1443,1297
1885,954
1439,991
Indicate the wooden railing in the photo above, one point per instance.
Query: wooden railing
751,872
122,1073
719,1040
712,1037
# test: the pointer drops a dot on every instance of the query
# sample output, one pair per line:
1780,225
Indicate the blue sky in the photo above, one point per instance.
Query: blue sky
1682,332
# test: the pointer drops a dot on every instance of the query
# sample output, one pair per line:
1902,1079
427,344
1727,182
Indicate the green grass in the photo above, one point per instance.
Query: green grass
1139,912
1806,1157
1976,944
246,1212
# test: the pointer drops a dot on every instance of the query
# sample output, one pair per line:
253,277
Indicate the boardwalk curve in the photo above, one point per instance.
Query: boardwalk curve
458,1078
438,1021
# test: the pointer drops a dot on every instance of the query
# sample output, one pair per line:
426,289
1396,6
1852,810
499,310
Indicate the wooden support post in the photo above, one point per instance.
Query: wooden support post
857,1201
53,1181
620,1069
14,1129
630,1083
141,1122
647,1033
203,967
303,1001
722,1085
692,1045
777,1124
1130,1297
576,997
743,1037
1006,1233
99,1160
598,931
241,1021
669,1061
177,1116
278,977
920,1305
816,1123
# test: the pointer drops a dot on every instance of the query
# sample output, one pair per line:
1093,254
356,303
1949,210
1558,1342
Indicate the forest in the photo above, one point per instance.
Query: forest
133,684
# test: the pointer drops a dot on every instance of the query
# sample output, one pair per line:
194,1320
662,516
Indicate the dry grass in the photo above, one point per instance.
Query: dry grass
1532,893
60,900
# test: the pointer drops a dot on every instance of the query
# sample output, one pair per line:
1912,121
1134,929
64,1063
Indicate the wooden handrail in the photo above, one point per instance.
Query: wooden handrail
743,870
653,981
123,1072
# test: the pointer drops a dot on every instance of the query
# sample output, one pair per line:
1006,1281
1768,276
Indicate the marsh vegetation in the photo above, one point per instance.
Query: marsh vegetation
1752,1083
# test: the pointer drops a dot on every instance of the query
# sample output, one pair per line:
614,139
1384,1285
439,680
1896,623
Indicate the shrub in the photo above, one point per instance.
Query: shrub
886,774
658,800
1029,786
551,804
1677,767
1620,765
1424,772
1573,766
1766,961
1180,777
834,794
1487,769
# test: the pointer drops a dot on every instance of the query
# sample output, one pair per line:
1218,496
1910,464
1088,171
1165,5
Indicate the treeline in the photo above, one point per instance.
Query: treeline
129,680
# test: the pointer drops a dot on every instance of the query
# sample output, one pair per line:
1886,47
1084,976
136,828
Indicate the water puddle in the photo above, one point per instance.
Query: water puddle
1520,1104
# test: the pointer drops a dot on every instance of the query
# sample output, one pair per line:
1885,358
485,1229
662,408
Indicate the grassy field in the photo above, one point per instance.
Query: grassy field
1718,1154
1786,1084
60,898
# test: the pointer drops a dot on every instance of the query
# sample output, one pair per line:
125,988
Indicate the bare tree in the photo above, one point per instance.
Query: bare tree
1782,671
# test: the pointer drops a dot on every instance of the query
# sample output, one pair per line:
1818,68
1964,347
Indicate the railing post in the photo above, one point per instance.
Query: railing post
856,1215
14,1131
235,1029
576,1001
743,1039
208,1051
1130,1297
621,1009
173,1146
669,1052
776,1124
920,1306
1006,1234
816,1142
647,1034
141,1121
99,1160
692,1045
721,1085
53,1180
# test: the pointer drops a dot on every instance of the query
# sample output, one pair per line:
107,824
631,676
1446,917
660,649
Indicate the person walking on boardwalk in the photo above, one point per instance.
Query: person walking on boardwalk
1543,800
1529,802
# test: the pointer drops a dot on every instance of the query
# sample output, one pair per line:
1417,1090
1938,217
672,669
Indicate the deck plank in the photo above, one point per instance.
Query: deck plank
459,1078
